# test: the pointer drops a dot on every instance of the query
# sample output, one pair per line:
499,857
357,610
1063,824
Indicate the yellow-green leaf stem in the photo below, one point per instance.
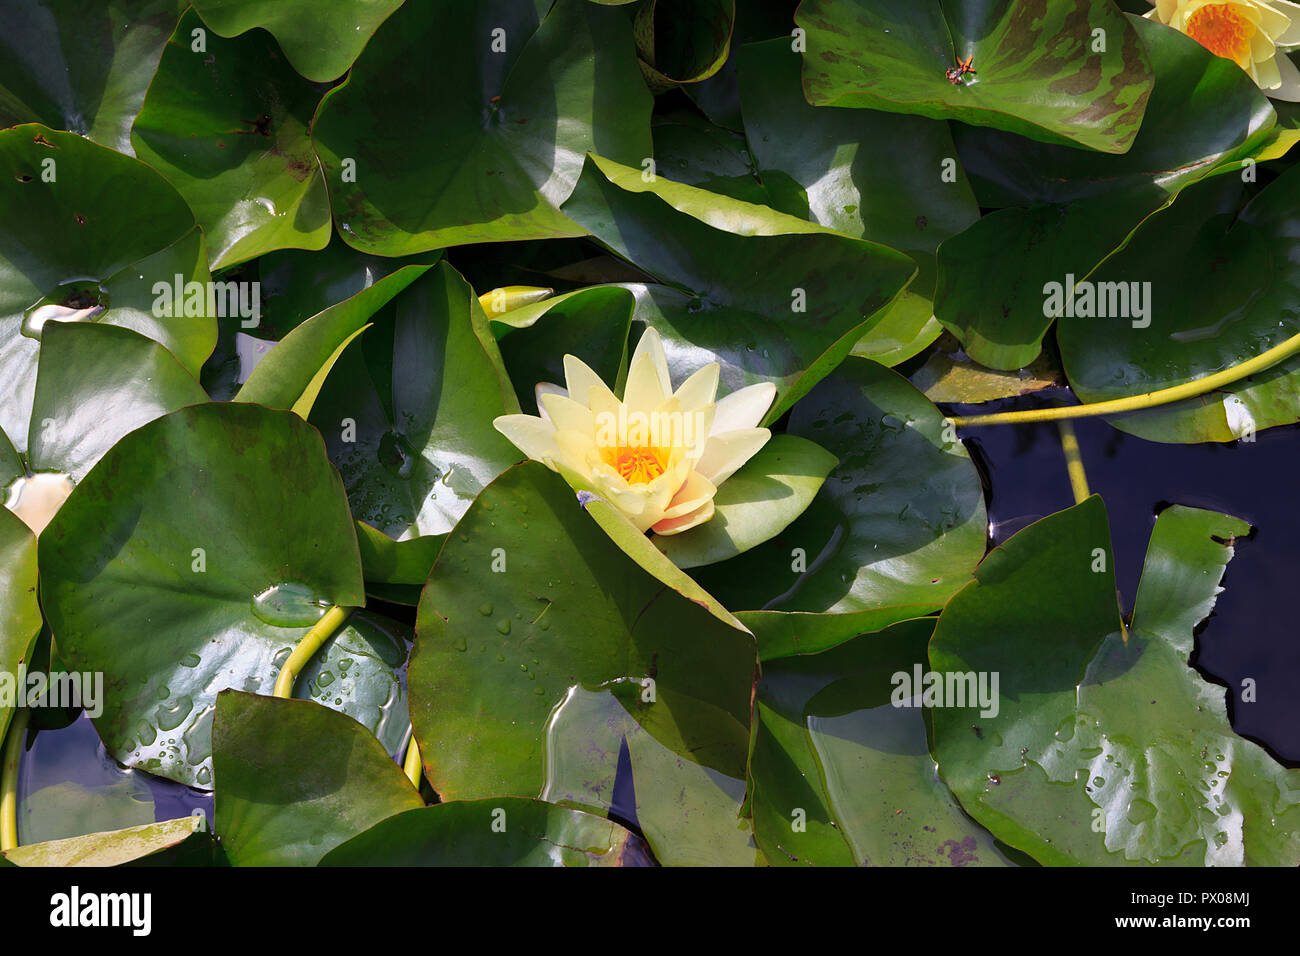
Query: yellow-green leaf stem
321,632
1134,403
13,753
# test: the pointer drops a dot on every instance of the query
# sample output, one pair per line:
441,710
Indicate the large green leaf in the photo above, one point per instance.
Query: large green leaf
529,679
496,831
83,227
295,780
694,151
407,418
1220,285
792,633
501,135
1069,71
94,384
591,323
768,296
1203,113
1108,748
82,65
841,768
297,284
157,588
755,504
319,39
900,521
292,373
20,615
857,181
239,151
1074,209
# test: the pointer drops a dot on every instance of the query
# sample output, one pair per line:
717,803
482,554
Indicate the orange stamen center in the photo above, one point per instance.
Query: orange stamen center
638,465
1222,30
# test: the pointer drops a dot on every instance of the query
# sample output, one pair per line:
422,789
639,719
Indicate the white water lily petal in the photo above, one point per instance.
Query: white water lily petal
652,345
644,391
567,415
701,389
743,408
581,380
531,435
546,388
1288,87
657,456
727,452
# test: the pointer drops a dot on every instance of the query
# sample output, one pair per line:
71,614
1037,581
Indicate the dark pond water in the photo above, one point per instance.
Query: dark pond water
1252,633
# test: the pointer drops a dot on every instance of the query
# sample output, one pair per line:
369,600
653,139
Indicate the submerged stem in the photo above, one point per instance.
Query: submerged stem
13,753
321,632
1073,461
1133,403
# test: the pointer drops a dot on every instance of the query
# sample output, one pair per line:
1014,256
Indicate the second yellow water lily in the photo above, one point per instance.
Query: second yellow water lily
1251,33
658,455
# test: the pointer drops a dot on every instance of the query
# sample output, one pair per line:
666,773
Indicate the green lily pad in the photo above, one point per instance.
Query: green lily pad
407,411
900,520
361,671
156,589
1204,114
320,41
82,65
20,615
90,245
683,41
755,504
528,681
591,323
498,831
841,769
239,152
635,545
396,570
493,161
1075,209
113,848
1220,286
858,182
847,161
1107,750
298,284
769,297
1042,71
292,373
11,463
792,633
94,384
341,782
695,152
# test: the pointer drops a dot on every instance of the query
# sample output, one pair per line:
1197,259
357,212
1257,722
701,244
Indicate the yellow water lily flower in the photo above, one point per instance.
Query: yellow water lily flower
659,455
1251,33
